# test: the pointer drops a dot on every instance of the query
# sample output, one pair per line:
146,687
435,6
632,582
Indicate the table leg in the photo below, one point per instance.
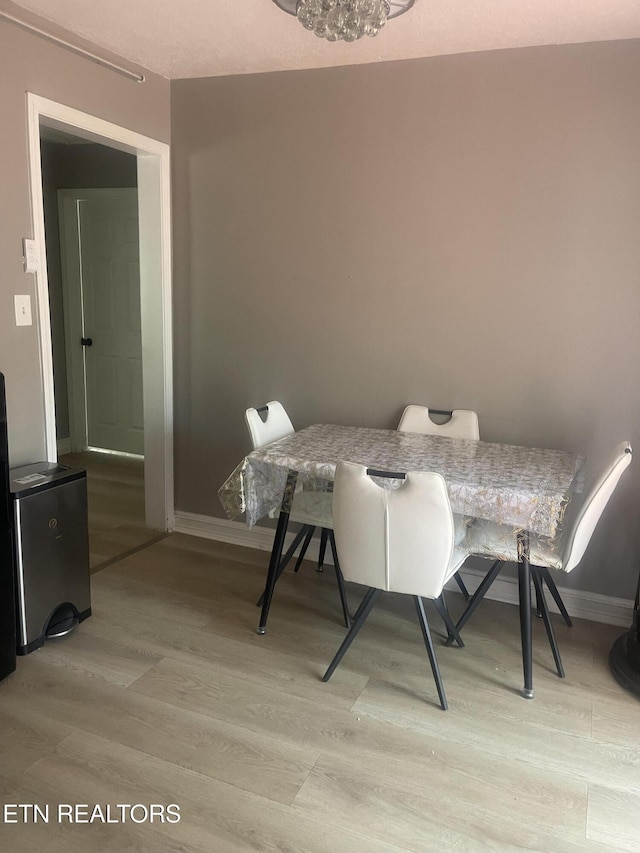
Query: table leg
524,587
276,551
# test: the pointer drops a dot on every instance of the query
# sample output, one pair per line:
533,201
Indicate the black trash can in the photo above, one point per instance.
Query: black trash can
52,551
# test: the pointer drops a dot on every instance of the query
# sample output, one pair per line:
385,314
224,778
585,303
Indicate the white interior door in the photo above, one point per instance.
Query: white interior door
104,327
109,257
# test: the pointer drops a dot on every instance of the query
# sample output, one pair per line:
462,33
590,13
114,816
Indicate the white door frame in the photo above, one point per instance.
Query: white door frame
154,212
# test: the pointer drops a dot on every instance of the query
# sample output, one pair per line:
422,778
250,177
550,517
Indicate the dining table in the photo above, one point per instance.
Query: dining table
526,489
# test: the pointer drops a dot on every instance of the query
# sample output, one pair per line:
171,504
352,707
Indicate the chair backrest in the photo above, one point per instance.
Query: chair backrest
463,423
400,540
592,508
275,425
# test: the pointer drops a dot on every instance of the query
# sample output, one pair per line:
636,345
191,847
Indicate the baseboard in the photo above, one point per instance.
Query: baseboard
63,446
579,603
237,533
223,530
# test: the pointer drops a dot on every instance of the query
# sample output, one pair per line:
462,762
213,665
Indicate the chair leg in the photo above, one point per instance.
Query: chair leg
284,562
303,550
340,581
452,632
463,589
538,606
356,615
426,634
546,576
324,535
477,597
365,608
551,636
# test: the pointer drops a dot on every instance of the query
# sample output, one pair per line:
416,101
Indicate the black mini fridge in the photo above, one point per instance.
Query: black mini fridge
7,569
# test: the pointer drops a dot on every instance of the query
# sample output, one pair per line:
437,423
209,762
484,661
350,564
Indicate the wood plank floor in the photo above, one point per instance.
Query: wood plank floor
167,695
115,492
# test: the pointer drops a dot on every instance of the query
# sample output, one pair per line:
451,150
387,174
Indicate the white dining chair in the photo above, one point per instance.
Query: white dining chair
310,509
395,540
498,542
460,423
268,423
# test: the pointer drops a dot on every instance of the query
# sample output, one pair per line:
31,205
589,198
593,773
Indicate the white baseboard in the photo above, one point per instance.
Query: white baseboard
63,446
579,603
222,530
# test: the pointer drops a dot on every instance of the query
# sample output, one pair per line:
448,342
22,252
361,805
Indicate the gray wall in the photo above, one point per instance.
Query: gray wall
65,166
30,64
459,231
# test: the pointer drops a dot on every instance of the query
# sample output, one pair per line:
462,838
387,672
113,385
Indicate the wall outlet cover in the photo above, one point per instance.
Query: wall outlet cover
23,310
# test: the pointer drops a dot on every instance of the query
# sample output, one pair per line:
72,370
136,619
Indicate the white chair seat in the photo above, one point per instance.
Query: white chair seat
309,509
499,542
458,557
396,540
315,509
463,423
312,508
460,528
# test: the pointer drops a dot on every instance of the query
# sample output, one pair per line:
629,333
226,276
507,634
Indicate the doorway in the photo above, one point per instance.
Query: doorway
152,160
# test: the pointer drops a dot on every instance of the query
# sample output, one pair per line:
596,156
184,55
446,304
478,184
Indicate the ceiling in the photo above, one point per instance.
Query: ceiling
207,38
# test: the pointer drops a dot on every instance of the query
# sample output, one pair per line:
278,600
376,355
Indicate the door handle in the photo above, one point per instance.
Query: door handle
86,342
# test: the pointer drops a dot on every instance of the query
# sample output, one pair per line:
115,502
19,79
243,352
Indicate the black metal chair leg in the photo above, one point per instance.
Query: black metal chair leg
463,589
426,634
477,597
286,558
538,606
524,598
303,550
276,552
340,581
545,575
365,608
324,535
452,632
284,562
542,603
356,615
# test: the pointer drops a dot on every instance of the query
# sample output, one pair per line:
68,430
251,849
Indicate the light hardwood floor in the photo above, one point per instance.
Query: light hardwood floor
167,695
115,492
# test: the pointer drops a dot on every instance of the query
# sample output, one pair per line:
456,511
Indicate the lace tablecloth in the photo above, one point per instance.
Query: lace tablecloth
524,487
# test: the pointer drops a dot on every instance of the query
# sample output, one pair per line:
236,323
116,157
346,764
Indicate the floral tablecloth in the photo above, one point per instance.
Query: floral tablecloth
524,487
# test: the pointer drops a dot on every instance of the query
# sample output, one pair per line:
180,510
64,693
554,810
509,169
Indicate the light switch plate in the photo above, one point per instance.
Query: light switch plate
23,310
30,254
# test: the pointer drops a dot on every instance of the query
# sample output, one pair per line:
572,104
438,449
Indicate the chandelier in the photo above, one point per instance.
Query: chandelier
348,20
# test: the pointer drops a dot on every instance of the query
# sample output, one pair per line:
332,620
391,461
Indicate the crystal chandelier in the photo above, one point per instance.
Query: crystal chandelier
344,19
